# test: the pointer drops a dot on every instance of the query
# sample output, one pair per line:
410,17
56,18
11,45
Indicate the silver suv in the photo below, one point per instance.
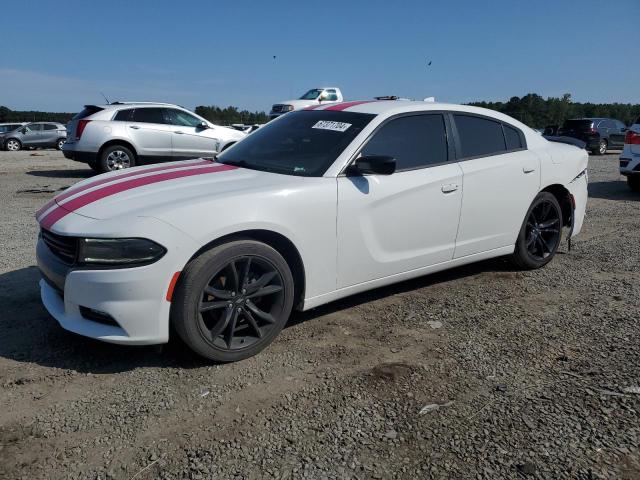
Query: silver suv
35,135
125,134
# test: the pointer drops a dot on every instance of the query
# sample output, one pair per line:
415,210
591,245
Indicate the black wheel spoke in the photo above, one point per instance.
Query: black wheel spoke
219,328
545,245
531,239
547,224
234,276
262,281
214,292
245,272
267,317
206,306
252,322
268,290
231,329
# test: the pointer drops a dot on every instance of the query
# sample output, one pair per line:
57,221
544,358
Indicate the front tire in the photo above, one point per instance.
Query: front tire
634,182
116,157
13,145
233,300
540,233
59,143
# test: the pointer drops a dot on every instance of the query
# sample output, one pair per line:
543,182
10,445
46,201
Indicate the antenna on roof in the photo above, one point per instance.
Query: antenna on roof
105,97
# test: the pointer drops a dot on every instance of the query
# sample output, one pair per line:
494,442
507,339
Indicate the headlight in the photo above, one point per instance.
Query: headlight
119,251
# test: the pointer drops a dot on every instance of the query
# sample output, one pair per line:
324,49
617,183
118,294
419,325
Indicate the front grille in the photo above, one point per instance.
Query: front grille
65,248
624,163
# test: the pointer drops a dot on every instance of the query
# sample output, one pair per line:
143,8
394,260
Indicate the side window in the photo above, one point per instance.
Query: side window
49,126
512,137
479,136
148,115
180,118
415,141
332,96
34,127
123,115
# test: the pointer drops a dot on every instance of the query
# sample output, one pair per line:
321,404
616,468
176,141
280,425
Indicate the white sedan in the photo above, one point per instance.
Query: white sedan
316,205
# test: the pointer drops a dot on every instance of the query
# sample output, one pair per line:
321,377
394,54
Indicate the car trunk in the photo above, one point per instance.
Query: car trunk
73,123
582,129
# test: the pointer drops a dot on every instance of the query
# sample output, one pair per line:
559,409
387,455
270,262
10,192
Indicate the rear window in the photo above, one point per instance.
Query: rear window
148,115
512,137
479,136
123,115
577,124
88,110
50,126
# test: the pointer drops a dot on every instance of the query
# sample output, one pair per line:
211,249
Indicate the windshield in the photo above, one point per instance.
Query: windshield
303,143
577,124
311,94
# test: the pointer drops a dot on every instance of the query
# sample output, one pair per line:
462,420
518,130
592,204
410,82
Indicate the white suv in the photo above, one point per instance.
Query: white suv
630,158
124,134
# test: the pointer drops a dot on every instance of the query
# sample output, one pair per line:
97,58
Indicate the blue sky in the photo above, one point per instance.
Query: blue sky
59,55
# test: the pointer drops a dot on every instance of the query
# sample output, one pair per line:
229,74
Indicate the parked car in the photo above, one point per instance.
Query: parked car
600,134
314,206
315,96
630,158
35,135
124,134
9,127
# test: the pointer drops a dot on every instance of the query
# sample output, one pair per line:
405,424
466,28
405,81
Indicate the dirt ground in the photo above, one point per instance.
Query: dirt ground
479,372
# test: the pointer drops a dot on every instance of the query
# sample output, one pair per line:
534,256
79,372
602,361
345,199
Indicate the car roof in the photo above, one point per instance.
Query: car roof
134,104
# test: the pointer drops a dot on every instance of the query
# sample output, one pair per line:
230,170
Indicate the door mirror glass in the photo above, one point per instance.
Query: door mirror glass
203,125
373,164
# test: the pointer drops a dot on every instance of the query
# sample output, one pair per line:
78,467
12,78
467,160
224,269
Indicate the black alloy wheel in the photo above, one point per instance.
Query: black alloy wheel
540,234
232,301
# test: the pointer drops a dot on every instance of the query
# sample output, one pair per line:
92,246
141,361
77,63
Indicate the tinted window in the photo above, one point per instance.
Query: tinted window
34,127
88,110
479,136
123,115
178,117
50,126
332,96
148,115
577,125
304,143
416,141
8,128
512,137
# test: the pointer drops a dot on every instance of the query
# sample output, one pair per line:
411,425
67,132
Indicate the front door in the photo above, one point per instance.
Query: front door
150,135
32,136
190,139
390,224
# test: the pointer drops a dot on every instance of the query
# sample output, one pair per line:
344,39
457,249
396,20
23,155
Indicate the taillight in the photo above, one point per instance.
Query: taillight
82,124
632,138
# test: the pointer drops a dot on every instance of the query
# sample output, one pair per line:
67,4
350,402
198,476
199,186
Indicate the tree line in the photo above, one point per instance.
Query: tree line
537,112
532,110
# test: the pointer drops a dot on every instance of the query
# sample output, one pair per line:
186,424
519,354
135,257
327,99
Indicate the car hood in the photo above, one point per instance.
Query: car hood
152,190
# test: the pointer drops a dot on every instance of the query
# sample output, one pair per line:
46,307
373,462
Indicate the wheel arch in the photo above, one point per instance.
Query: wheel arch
563,196
227,145
117,141
6,140
277,241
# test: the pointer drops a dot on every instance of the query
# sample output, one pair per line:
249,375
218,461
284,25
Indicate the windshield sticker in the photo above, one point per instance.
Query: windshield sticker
334,126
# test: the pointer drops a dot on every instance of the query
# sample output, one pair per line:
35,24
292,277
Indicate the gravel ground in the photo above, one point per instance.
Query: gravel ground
479,372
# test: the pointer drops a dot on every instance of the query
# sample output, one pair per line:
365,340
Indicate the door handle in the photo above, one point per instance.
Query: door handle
179,132
135,127
452,187
528,169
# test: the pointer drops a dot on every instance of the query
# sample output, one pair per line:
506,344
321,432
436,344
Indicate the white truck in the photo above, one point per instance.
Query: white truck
315,96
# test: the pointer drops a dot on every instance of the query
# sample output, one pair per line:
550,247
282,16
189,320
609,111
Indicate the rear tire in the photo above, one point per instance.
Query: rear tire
601,149
226,316
59,143
13,145
116,157
634,182
540,233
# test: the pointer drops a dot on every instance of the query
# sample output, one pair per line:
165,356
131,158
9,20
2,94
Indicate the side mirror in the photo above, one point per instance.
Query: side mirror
323,96
203,125
24,130
373,164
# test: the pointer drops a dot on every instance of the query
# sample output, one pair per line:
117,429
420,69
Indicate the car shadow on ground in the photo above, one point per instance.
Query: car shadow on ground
63,173
613,190
29,335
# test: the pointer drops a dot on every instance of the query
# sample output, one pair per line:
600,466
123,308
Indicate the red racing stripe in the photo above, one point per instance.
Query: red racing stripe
113,178
343,106
83,200
313,107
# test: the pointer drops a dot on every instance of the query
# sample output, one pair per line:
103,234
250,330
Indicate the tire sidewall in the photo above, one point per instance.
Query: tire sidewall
102,162
59,143
184,308
13,140
521,253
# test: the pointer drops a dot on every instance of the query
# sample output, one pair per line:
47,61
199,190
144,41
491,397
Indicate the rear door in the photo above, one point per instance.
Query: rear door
189,139
618,132
149,134
32,136
390,224
49,133
501,179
